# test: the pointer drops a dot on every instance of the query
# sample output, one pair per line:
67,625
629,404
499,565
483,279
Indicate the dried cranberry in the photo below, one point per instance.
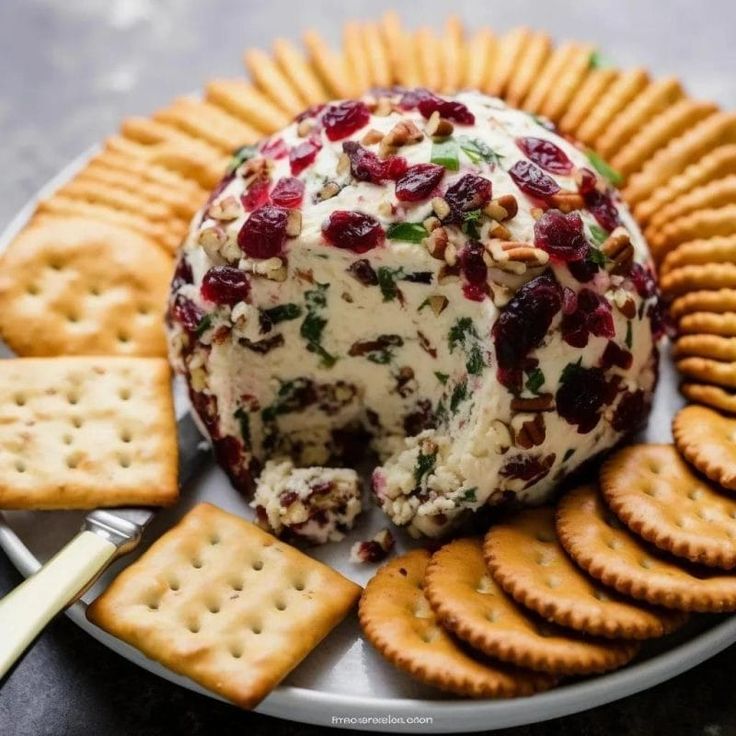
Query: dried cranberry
561,236
545,154
182,274
643,279
448,109
288,192
264,232
257,193
275,148
225,285
470,192
532,180
591,316
615,355
583,271
352,231
311,112
587,182
304,154
344,119
631,412
186,313
523,324
474,269
366,166
603,209
569,300
581,395
419,182
287,498
412,97
659,320
362,271
230,454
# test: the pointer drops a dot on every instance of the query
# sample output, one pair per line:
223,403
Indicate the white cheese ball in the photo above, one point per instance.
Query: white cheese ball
450,278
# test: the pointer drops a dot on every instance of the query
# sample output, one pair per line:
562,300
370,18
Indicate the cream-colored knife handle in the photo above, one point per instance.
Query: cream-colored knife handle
25,611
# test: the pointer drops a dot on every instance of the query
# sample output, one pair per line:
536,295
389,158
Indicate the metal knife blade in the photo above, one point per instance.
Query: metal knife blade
124,526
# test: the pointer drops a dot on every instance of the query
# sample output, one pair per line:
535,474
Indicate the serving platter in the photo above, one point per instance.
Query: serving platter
344,682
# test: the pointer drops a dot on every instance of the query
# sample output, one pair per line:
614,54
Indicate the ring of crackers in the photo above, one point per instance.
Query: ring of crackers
713,396
527,561
652,490
598,542
707,440
398,621
473,606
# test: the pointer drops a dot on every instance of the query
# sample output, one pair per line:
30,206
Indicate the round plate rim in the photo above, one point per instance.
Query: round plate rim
449,716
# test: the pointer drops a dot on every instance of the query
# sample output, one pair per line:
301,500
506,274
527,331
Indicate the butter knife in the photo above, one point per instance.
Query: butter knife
105,535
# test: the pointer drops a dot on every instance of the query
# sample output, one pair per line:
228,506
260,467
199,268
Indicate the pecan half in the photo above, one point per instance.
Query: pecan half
404,133
531,433
619,251
543,402
503,208
567,201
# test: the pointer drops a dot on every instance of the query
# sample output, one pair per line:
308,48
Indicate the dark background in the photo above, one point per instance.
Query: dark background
71,69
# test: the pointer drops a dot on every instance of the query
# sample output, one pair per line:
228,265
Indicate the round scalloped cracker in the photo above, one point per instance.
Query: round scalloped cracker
586,97
696,252
658,131
715,396
655,99
713,166
708,323
599,543
527,561
616,99
469,603
656,494
568,82
706,346
691,278
533,56
716,193
706,370
689,148
717,300
701,224
398,621
707,440
77,287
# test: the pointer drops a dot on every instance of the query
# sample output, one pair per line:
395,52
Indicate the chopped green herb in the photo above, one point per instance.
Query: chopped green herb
476,150
424,304
629,335
568,454
599,61
387,278
535,380
441,377
244,420
470,224
204,324
441,412
459,394
291,396
240,156
463,334
598,234
313,324
283,313
604,168
458,332
446,153
468,496
409,232
425,465
597,256
475,363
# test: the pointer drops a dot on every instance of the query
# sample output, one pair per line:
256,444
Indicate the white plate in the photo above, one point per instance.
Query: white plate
344,682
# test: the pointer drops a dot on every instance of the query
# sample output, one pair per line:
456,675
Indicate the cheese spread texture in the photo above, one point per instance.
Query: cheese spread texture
449,277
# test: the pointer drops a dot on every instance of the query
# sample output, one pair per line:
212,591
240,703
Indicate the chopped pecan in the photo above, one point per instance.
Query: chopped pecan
329,190
448,274
531,433
567,201
498,231
304,128
543,402
404,133
431,223
619,251
227,208
293,223
502,436
438,127
371,137
343,164
625,303
503,208
440,207
437,242
383,107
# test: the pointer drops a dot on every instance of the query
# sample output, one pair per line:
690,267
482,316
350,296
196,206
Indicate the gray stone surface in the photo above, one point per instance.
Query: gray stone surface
71,69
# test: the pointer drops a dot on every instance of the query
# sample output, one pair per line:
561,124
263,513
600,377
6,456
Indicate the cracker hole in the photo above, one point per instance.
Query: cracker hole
654,467
237,586
123,337
213,608
72,398
32,290
73,461
280,605
94,291
20,400
174,585
77,422
680,523
257,565
20,466
427,637
124,461
552,582
545,537
153,606
214,540
601,595
196,564
645,562
194,628
124,394
256,630
492,616
55,265
144,310
73,318
695,494
126,436
236,652
613,543
299,586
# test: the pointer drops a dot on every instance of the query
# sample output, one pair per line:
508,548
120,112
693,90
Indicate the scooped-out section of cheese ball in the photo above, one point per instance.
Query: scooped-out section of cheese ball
449,277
